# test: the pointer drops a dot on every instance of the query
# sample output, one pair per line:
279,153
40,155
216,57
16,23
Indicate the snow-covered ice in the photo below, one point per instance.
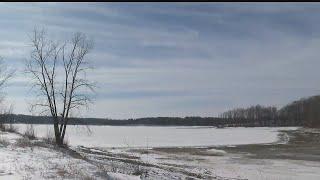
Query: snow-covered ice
155,136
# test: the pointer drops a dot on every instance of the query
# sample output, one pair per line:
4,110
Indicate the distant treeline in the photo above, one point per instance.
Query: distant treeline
304,112
261,116
151,121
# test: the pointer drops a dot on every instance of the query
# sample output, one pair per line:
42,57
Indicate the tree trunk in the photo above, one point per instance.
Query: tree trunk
57,134
63,132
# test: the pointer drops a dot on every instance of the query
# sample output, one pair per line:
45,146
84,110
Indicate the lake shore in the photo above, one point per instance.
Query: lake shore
293,156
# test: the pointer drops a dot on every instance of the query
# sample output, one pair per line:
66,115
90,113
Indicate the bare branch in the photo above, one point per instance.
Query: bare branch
61,91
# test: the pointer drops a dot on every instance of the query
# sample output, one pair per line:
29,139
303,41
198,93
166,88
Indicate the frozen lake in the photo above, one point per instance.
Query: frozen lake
160,136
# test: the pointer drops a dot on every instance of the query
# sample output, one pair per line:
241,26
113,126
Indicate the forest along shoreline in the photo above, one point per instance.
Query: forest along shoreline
303,112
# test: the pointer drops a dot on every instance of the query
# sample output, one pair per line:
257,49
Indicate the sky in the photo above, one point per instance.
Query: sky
175,59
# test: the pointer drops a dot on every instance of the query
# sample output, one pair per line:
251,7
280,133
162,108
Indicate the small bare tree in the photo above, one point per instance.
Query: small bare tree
5,75
59,71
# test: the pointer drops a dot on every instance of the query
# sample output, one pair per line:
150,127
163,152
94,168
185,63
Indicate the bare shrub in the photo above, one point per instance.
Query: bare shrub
8,128
7,119
4,142
11,128
3,127
29,132
5,113
50,139
23,142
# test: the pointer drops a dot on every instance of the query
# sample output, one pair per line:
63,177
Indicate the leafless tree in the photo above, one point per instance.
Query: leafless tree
5,75
254,115
59,71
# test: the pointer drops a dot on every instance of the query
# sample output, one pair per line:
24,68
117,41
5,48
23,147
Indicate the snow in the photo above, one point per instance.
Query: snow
36,162
119,176
216,152
263,168
232,166
146,136
10,137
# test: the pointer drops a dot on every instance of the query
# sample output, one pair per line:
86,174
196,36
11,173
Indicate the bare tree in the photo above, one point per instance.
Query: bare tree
59,71
5,75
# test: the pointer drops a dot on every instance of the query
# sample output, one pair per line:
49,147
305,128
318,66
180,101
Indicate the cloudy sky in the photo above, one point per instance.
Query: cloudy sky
176,59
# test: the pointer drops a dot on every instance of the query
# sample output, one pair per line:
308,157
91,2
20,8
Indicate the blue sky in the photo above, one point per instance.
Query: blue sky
176,59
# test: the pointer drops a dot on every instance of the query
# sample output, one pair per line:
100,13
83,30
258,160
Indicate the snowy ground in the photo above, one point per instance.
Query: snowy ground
294,154
24,159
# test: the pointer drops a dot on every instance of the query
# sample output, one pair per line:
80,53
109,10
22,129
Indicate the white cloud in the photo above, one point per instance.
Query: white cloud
179,59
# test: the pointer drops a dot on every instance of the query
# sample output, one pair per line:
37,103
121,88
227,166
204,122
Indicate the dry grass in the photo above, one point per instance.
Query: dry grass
23,142
8,128
3,127
50,139
29,132
12,128
4,142
70,170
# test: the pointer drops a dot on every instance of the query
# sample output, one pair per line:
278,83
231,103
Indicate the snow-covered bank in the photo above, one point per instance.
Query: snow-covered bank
151,136
21,160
